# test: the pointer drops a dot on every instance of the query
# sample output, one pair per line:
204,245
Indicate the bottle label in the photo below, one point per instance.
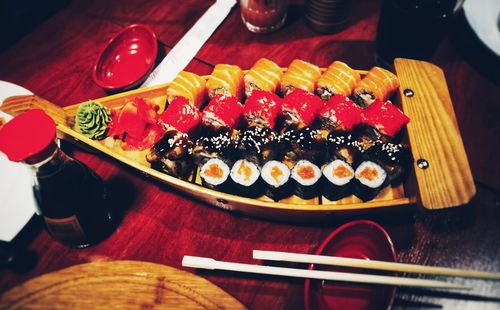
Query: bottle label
66,230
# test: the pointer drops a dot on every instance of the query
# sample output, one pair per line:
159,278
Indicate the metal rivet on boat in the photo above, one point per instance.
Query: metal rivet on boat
408,92
222,201
422,164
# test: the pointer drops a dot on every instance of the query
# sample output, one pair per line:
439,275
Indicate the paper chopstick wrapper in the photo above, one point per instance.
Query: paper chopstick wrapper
185,50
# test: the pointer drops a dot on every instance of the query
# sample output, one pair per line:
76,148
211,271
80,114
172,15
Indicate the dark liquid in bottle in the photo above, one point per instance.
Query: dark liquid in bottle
412,28
72,199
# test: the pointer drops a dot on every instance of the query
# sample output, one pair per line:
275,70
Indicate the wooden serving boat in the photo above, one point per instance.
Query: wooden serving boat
440,178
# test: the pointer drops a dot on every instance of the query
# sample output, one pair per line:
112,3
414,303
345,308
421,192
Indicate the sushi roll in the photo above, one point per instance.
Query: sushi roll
264,75
342,145
369,179
300,74
306,143
172,154
221,144
262,108
306,176
215,175
336,180
276,177
340,113
189,86
222,111
338,79
394,158
382,123
300,109
258,144
181,115
246,179
226,80
377,84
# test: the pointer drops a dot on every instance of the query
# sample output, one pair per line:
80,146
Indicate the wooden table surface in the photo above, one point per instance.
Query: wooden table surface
55,60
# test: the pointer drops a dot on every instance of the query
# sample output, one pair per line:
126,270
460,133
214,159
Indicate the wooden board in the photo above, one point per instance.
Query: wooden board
118,285
434,136
431,195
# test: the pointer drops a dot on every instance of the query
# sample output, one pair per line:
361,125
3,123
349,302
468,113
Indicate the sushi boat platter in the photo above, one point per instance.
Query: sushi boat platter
297,144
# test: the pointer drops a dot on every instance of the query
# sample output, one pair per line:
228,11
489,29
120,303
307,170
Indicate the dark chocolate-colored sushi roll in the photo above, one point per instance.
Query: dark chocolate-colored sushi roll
214,174
336,179
306,176
342,145
222,144
369,179
172,154
394,158
246,179
258,144
306,143
276,177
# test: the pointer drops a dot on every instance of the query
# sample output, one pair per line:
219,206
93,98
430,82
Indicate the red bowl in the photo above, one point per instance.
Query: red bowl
357,239
128,58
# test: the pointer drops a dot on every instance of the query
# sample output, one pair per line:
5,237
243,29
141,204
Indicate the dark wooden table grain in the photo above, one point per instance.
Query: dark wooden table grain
55,60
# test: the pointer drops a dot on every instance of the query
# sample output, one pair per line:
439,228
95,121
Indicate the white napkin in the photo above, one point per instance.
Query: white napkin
17,201
483,17
182,53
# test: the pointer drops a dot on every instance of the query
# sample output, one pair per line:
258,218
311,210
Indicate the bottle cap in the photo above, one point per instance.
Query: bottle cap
28,137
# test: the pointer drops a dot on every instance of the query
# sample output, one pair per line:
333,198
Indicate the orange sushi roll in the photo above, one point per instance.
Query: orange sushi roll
264,75
338,79
300,74
226,80
190,86
377,84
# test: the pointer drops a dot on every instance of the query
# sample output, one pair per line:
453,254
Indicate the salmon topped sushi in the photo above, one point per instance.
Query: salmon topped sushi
264,75
377,84
188,85
300,74
226,80
338,79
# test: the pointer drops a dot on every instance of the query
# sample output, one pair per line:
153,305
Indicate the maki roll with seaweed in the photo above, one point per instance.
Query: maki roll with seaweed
336,179
394,158
221,144
258,144
341,145
306,143
369,179
214,174
276,177
172,154
306,176
246,179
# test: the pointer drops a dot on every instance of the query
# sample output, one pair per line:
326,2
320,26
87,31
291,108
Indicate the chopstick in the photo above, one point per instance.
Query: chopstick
212,264
372,264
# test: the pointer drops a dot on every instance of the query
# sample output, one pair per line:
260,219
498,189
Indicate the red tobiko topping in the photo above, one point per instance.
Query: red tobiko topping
385,117
226,109
136,123
264,104
343,111
305,104
182,115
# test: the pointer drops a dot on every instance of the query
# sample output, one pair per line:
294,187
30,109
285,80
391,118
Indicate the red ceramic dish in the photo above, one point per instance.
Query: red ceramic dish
357,239
127,59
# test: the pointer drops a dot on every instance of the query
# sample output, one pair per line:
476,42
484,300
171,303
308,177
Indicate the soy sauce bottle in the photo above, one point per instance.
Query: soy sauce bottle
72,198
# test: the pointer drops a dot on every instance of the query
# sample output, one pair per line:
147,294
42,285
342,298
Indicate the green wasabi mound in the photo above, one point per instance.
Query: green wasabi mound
92,120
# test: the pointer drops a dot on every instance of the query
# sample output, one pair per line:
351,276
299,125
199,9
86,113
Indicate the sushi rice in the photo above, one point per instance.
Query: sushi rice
370,174
214,172
337,177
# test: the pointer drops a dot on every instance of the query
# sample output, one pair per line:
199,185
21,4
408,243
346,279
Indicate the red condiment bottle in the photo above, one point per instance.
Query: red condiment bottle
71,197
